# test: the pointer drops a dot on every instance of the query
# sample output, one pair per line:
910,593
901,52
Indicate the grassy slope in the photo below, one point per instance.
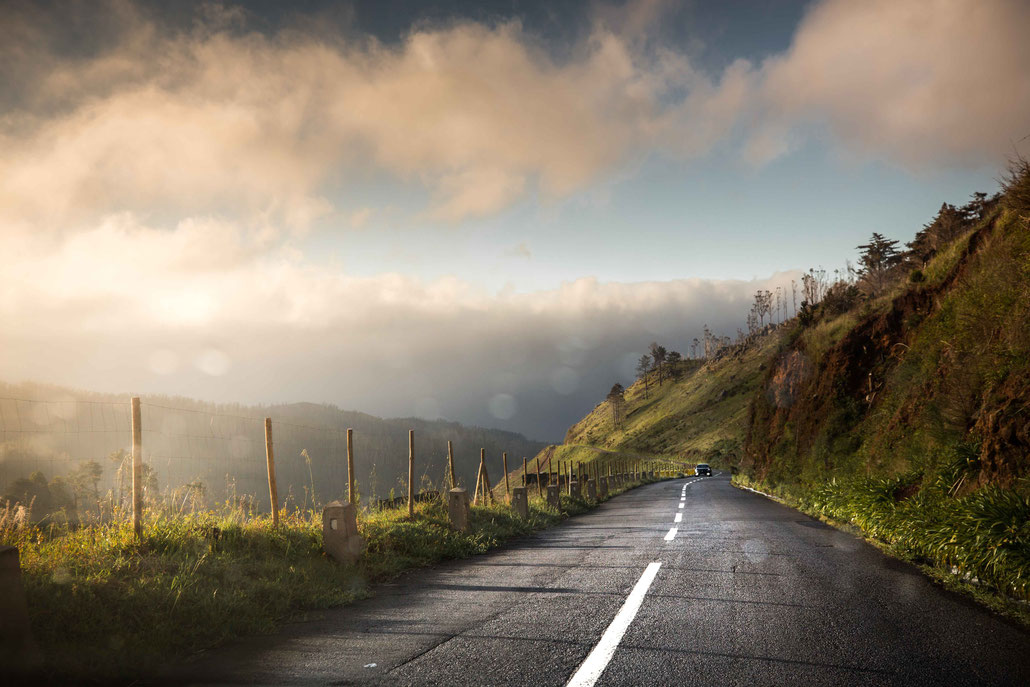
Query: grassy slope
933,463
948,361
103,606
700,414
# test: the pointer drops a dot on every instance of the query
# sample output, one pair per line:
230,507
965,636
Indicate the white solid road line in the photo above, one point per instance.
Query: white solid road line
679,517
590,670
672,534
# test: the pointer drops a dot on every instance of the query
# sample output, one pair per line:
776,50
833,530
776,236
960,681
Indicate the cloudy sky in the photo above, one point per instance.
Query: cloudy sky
482,211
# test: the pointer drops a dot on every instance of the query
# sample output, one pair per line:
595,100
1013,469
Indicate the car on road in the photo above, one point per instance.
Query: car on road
703,469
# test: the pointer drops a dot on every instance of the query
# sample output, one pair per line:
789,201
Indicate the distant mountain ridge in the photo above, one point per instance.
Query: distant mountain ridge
54,430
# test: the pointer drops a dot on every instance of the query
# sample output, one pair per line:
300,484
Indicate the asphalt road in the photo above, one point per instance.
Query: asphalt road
748,592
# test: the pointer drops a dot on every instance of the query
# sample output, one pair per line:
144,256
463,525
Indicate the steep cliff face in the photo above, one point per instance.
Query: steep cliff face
932,377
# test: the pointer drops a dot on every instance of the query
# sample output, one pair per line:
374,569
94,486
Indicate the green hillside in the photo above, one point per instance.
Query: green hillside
930,380
898,400
698,412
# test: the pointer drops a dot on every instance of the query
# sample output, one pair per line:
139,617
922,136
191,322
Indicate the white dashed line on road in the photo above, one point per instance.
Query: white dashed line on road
672,534
679,517
598,659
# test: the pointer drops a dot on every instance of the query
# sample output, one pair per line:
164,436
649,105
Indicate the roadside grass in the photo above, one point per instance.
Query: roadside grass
105,607
978,544
102,605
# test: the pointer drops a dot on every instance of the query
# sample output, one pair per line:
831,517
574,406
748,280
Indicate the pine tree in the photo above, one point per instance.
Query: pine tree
643,367
876,261
617,400
658,354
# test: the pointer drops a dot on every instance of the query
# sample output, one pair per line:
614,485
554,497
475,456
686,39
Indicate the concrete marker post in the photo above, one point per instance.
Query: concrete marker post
340,537
458,509
520,502
553,496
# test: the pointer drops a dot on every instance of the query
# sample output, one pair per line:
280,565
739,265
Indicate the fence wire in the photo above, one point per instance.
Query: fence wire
73,457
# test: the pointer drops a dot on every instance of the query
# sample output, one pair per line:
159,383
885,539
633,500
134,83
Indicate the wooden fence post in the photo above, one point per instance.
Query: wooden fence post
488,492
504,462
525,472
352,489
450,464
548,470
273,492
411,472
137,469
479,476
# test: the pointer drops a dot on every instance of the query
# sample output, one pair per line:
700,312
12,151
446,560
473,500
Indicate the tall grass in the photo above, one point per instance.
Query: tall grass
104,605
983,537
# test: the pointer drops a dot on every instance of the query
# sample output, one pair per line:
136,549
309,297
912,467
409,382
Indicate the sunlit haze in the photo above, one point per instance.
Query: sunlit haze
480,212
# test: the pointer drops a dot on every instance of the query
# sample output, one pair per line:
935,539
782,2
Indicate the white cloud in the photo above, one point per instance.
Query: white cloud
264,128
260,127
922,83
199,313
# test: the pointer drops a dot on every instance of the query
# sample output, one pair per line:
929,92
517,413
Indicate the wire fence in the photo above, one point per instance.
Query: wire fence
72,459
